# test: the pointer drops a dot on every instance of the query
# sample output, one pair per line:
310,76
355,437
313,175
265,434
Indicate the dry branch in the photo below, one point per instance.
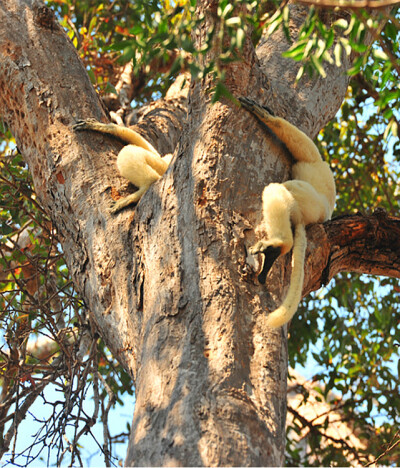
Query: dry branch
349,4
357,243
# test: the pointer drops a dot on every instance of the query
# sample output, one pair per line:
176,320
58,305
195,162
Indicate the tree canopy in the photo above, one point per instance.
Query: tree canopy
347,332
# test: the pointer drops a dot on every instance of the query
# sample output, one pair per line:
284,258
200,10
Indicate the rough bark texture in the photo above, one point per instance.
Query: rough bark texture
306,105
357,243
169,284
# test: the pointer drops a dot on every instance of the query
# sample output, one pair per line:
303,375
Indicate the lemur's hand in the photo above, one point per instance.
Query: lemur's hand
87,124
262,112
269,252
260,247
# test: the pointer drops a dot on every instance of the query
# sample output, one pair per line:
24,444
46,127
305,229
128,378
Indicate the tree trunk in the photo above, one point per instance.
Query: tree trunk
169,284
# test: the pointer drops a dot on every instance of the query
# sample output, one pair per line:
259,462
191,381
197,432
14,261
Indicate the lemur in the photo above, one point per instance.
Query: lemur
138,162
308,198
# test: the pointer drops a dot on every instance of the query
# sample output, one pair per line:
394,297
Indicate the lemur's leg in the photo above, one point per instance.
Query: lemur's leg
313,206
301,147
142,168
139,166
279,210
125,134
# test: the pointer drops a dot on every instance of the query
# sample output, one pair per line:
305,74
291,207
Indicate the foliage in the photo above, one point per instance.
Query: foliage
349,331
354,336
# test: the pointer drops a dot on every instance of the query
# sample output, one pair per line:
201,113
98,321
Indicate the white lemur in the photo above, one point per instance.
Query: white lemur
138,162
308,198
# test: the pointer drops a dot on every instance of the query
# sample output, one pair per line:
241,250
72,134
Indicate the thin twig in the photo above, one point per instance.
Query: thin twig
20,415
389,449
349,4
104,418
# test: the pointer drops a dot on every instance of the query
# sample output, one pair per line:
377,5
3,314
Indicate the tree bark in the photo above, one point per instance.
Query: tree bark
368,244
169,284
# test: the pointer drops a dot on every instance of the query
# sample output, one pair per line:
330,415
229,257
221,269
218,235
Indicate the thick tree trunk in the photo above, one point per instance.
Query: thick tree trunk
211,389
169,283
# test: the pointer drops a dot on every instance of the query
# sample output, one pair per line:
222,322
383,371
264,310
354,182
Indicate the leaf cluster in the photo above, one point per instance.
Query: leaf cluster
349,332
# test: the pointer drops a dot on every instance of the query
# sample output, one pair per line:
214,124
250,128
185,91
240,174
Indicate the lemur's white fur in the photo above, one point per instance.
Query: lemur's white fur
139,161
308,198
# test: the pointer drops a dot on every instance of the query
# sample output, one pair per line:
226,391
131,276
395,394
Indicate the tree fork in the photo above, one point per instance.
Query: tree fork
168,284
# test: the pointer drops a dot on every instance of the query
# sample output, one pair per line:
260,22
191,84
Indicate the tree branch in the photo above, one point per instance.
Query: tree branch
74,175
350,4
355,243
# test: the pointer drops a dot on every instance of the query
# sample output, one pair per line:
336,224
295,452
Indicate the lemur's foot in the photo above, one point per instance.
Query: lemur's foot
128,200
270,254
87,124
255,108
115,208
119,205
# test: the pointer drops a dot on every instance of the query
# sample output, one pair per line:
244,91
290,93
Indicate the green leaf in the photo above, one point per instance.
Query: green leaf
240,37
341,23
233,21
358,46
379,54
318,66
337,53
300,73
92,76
330,39
221,90
226,10
391,31
92,24
346,45
296,50
110,89
136,29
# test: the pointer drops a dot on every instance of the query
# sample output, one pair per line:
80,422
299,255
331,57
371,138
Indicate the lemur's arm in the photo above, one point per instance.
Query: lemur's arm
301,147
127,135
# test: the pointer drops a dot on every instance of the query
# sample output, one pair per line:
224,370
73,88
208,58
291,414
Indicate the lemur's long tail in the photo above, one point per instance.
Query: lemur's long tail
285,312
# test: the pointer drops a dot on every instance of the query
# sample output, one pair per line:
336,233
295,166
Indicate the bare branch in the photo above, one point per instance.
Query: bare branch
104,419
350,4
355,243
393,444
318,430
20,415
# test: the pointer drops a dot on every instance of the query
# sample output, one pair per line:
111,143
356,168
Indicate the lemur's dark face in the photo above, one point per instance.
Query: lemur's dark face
270,254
